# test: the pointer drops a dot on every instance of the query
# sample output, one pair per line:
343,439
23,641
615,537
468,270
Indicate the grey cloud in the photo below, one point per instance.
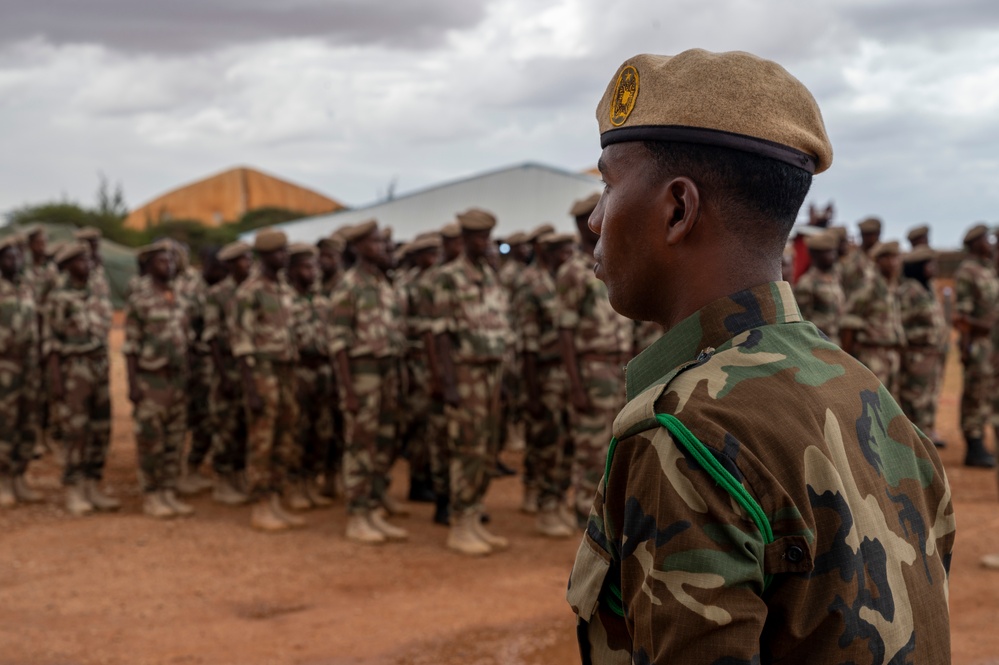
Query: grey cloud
917,20
186,25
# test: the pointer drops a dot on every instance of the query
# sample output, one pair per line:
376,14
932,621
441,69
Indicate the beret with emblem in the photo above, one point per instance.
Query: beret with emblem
70,251
233,250
88,233
585,206
301,249
885,249
270,240
822,241
733,100
870,225
451,230
165,245
920,254
518,238
918,232
556,238
975,232
476,219
358,231
544,229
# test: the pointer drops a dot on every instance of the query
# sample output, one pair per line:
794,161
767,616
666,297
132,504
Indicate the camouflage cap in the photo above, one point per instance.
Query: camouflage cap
233,250
870,225
702,97
822,241
585,206
69,251
270,240
540,231
918,232
920,254
10,240
518,238
975,232
164,245
556,238
300,249
451,230
476,219
885,249
358,231
88,233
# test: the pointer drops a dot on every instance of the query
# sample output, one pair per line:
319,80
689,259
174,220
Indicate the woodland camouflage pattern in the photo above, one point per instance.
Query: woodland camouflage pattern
926,333
19,375
314,377
821,301
846,557
976,295
229,452
855,270
873,311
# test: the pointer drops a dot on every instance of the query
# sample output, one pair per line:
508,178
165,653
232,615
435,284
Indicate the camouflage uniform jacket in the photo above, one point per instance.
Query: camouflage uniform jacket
534,314
366,316
310,313
77,319
328,284
471,307
508,275
219,308
585,309
856,270
157,328
873,311
18,325
261,325
976,289
922,315
42,279
821,300
417,306
99,281
725,531
194,289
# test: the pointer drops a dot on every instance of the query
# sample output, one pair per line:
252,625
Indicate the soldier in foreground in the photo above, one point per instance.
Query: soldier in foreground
765,498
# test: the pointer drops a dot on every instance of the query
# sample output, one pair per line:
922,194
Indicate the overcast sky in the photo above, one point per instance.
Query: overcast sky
346,96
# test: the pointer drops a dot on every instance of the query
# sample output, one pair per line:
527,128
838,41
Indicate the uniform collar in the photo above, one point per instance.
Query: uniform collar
710,327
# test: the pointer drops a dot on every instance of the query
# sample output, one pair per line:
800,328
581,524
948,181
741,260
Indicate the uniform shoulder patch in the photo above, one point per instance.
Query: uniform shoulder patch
625,95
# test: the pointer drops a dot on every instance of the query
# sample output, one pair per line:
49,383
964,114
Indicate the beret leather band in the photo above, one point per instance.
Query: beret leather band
715,137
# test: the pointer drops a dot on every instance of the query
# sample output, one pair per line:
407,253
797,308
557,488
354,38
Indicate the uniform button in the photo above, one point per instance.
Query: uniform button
794,554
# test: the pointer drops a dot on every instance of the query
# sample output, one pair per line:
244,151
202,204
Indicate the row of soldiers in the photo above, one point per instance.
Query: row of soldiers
883,308
290,372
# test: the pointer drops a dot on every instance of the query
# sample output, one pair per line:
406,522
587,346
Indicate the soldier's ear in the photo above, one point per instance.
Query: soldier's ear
681,208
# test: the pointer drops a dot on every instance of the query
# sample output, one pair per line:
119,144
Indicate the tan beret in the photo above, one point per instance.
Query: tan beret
53,248
88,233
733,100
165,245
300,248
822,241
358,231
556,238
918,232
387,233
451,231
585,206
870,225
839,231
920,254
34,230
476,219
270,240
423,243
10,240
69,251
534,235
885,249
975,232
233,250
518,238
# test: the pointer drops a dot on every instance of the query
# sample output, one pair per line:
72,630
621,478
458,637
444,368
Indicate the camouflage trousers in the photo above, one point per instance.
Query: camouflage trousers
920,373
885,363
229,415
84,415
440,454
370,434
315,419
471,433
512,406
976,396
160,427
200,420
16,406
416,413
591,432
548,438
270,445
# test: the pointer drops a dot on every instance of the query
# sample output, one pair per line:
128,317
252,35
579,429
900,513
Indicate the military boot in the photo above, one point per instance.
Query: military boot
23,492
290,519
315,496
296,497
442,511
262,518
549,523
462,537
169,497
360,530
393,507
977,455
7,497
76,500
154,506
97,498
226,493
390,531
194,482
530,503
491,539
572,519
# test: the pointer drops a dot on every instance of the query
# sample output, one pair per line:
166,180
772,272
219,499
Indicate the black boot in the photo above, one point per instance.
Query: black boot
420,492
977,455
442,515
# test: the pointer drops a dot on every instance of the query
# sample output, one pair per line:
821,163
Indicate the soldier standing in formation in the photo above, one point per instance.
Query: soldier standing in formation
818,292
857,268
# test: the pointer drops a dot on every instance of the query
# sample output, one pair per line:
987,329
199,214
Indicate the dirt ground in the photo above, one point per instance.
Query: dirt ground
124,589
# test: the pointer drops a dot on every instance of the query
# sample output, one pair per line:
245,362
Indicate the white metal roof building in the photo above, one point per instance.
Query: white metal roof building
521,197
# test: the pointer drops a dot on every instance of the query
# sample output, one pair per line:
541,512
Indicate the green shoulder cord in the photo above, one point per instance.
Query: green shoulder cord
714,468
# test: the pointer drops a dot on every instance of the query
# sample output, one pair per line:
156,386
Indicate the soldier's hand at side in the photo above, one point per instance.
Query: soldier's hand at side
581,401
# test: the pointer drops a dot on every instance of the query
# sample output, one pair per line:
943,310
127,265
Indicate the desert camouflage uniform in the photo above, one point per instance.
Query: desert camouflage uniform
19,375
314,373
367,324
327,285
513,276
99,282
417,407
856,269
728,531
547,462
422,291
602,339
261,332
821,300
873,311
228,410
926,338
470,307
191,286
158,334
976,294
42,279
75,328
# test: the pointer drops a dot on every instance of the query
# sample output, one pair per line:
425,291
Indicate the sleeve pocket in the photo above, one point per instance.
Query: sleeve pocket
587,578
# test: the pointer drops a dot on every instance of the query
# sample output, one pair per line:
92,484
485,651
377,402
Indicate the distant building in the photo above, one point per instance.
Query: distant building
226,196
521,197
